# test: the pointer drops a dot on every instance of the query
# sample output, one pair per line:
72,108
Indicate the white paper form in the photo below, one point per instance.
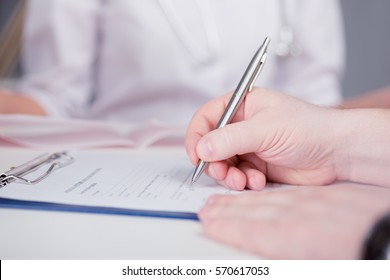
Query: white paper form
152,183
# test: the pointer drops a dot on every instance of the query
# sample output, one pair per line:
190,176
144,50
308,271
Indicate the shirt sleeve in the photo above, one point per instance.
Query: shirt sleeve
315,74
58,54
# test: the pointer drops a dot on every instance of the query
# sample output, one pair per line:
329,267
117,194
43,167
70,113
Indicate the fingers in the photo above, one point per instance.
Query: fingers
203,121
236,175
243,135
297,223
236,220
233,139
255,170
236,232
227,175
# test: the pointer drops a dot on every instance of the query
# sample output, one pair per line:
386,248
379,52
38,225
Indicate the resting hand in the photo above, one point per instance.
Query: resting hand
18,104
300,223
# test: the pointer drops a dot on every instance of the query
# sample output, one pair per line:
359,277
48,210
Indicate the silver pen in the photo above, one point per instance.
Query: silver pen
245,85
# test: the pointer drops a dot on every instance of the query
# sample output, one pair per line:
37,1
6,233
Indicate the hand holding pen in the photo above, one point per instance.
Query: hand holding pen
245,85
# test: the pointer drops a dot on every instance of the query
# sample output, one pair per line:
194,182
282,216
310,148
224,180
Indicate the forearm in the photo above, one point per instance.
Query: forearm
363,155
375,99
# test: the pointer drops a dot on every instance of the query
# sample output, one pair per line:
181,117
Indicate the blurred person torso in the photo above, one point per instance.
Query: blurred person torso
143,60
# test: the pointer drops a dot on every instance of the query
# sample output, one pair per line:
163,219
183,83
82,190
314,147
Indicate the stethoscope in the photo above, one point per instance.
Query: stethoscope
285,44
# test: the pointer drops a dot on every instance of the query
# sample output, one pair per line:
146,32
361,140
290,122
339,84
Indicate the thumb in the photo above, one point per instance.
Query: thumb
233,139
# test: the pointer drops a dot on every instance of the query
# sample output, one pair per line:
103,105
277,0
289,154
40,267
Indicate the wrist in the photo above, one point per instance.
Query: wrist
369,152
341,142
362,154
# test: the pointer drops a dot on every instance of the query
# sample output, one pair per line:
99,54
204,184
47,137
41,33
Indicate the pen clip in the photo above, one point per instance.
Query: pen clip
15,174
257,72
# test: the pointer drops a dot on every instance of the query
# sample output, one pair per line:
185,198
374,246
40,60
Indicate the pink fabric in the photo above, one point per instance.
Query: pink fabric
43,132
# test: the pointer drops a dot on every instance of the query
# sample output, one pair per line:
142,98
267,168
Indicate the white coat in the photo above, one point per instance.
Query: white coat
144,60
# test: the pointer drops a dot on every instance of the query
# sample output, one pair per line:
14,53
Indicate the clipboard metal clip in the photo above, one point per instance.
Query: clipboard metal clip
16,174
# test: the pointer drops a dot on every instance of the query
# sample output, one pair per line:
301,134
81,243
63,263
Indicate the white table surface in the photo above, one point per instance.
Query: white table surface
36,234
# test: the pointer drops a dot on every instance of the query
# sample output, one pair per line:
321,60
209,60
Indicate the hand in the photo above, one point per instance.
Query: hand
272,137
19,104
300,223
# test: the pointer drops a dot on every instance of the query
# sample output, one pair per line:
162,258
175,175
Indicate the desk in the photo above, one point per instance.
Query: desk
34,234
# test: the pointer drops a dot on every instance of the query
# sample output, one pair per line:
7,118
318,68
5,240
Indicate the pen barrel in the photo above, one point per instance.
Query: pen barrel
231,109
245,85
